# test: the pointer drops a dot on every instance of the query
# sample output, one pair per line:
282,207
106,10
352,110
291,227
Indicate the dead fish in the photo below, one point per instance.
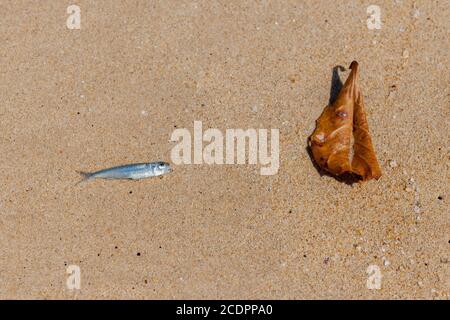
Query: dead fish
134,171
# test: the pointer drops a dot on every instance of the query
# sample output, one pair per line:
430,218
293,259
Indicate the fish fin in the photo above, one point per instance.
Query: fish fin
85,175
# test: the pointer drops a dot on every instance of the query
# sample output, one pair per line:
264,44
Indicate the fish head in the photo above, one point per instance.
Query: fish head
161,168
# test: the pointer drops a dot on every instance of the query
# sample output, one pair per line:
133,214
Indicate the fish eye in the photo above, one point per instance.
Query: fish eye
162,165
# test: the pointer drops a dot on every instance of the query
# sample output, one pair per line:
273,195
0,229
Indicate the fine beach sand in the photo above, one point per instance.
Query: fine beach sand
113,92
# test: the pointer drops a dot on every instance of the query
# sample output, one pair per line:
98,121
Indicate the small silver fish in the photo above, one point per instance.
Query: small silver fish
130,171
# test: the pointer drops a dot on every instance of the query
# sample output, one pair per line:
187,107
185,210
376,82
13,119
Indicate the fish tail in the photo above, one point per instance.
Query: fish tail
85,176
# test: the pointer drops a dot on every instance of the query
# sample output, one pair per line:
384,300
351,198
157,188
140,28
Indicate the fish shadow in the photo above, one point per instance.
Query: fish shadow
335,88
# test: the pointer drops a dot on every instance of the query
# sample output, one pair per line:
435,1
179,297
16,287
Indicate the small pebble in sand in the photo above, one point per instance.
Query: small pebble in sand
293,78
393,164
391,95
410,185
415,13
144,113
386,262
255,109
416,208
405,54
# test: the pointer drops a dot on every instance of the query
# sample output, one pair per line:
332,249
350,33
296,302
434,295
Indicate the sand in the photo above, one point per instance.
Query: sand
113,91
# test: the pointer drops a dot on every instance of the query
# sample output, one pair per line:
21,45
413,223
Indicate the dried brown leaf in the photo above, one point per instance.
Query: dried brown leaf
341,142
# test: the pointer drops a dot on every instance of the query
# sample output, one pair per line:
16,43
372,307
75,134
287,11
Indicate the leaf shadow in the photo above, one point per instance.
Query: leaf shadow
336,84
335,88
